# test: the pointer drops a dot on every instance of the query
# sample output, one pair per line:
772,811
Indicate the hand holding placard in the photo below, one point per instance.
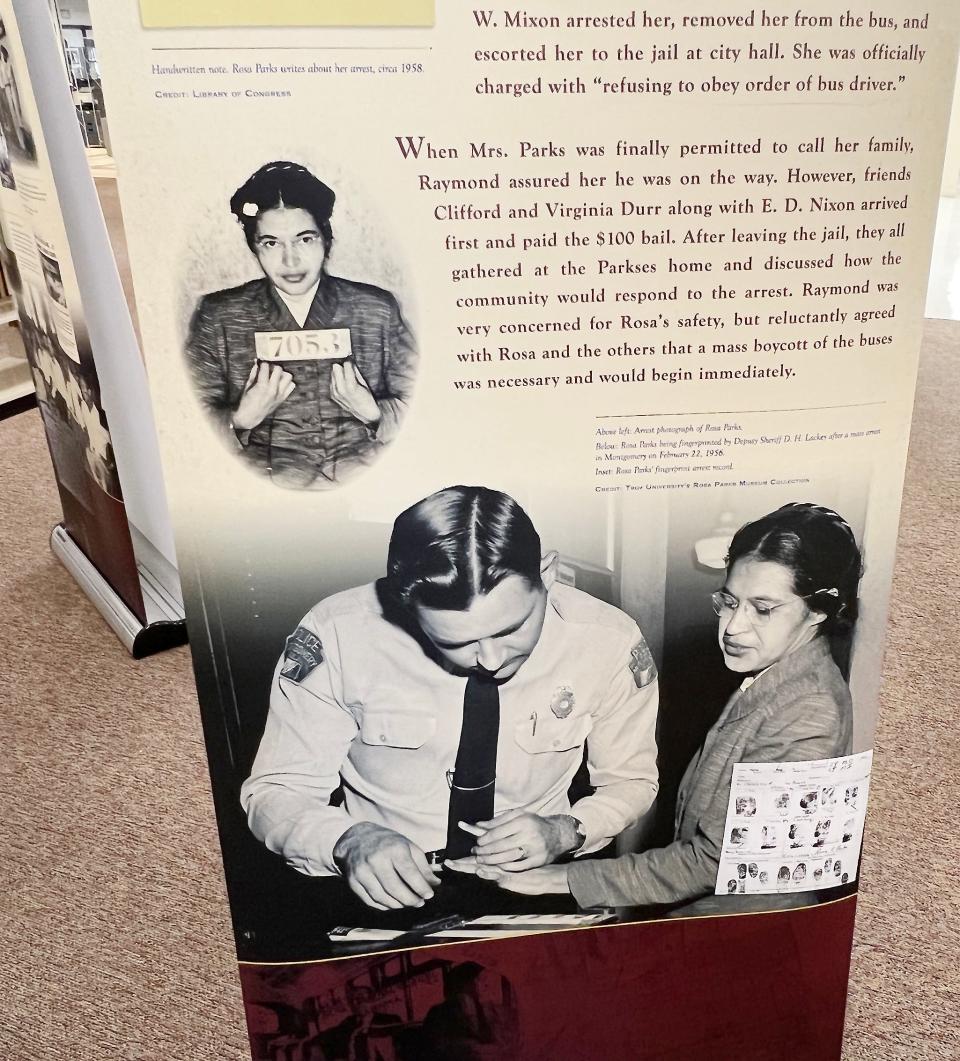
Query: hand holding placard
267,387
349,390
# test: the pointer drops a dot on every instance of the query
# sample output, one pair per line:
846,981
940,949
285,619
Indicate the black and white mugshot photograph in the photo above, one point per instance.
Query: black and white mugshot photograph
306,374
524,713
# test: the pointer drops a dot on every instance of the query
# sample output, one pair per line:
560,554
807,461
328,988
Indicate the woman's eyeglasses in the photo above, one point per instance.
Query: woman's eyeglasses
756,612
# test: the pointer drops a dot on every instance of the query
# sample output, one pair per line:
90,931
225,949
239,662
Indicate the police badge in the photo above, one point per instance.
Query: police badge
562,703
303,652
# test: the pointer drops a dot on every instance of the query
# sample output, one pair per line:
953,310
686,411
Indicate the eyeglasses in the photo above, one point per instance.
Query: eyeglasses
757,614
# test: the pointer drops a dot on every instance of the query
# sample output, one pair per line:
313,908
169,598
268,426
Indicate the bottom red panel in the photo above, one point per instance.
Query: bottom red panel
755,987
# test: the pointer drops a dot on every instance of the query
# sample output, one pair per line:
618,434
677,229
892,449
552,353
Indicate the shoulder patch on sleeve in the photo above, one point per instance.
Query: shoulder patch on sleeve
302,654
641,664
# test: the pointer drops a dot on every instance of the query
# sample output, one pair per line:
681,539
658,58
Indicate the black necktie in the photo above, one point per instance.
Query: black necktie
472,783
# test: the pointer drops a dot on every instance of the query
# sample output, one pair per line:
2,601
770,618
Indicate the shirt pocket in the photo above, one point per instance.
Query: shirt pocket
381,729
552,734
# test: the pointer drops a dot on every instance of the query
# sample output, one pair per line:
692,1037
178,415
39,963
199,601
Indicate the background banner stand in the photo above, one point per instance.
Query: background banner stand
165,626
91,389
452,291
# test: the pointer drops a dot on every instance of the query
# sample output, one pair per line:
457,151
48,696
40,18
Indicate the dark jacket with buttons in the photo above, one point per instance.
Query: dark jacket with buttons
798,710
309,441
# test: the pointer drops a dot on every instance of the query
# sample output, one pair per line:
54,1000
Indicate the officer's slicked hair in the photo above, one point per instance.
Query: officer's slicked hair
457,544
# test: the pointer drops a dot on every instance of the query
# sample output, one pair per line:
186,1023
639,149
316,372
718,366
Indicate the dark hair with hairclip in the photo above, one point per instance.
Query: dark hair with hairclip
819,549
283,184
457,544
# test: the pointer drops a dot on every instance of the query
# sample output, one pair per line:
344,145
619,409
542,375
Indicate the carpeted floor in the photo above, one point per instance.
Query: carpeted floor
114,932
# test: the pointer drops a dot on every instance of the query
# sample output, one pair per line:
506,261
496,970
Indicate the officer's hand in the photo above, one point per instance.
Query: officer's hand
383,868
349,390
519,840
267,387
546,880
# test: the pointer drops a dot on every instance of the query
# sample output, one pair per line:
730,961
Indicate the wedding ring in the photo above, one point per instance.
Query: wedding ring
523,853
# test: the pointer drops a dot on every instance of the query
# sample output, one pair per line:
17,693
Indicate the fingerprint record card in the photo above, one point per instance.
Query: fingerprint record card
794,827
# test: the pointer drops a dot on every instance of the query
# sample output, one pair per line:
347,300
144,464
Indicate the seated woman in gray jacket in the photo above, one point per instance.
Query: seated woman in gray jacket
791,588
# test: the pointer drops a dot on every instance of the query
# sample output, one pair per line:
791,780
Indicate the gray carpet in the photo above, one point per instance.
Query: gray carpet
113,921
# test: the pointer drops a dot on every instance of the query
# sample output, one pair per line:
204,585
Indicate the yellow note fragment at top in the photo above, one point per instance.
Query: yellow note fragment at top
170,14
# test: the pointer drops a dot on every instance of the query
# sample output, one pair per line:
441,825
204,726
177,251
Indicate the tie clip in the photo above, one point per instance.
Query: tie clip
464,788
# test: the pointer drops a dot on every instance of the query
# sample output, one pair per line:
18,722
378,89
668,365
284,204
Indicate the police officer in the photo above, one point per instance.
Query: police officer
452,700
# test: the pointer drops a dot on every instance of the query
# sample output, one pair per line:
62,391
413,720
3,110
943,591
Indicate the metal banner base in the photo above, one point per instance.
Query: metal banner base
167,630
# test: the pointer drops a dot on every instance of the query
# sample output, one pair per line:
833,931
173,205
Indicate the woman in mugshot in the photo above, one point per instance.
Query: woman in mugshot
307,373
791,588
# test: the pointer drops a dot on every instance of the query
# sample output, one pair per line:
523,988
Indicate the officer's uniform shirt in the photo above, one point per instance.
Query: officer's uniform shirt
356,697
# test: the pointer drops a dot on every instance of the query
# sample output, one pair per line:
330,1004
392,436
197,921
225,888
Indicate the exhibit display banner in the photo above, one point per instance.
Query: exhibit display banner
534,389
89,377
38,262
